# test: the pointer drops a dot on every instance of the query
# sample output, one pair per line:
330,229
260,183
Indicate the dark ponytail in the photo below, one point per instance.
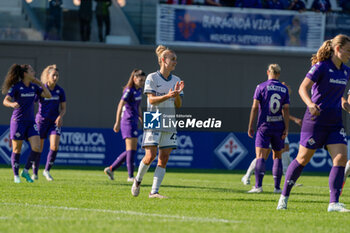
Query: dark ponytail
13,76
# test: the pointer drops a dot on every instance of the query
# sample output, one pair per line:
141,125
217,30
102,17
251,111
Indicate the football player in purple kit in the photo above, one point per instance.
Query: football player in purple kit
49,119
128,114
164,91
322,124
21,88
271,100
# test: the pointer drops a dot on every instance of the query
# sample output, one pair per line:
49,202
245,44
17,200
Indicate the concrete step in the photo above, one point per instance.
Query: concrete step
20,34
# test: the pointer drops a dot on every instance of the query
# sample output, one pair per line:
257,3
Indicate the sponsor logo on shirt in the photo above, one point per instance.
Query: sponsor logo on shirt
138,98
338,81
330,70
58,91
28,94
53,98
346,73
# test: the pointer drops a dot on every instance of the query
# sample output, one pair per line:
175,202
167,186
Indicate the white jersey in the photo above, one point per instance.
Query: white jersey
158,85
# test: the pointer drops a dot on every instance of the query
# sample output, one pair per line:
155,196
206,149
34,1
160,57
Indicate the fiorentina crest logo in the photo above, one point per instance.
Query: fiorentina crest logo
6,147
231,151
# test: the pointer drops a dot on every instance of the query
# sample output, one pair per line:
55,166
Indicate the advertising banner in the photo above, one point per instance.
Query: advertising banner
204,150
236,27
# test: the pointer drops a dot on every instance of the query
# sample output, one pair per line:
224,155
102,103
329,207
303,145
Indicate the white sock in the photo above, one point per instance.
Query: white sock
251,168
143,168
347,170
157,179
285,161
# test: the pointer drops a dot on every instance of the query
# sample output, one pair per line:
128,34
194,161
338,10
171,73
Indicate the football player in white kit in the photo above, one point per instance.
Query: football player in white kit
164,91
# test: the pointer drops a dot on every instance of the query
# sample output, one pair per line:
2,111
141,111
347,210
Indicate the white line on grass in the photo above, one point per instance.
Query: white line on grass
180,218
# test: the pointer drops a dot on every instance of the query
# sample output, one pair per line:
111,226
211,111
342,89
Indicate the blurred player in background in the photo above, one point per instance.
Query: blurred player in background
322,124
271,100
21,87
163,91
49,119
128,114
286,159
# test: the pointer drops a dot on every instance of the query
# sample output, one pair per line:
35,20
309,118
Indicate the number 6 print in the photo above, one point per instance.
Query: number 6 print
275,103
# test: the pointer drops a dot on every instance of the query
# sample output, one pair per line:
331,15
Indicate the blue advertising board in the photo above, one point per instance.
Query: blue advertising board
236,27
205,150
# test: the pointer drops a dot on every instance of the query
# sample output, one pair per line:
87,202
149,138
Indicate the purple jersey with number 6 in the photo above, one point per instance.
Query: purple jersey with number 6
327,90
272,95
49,107
25,97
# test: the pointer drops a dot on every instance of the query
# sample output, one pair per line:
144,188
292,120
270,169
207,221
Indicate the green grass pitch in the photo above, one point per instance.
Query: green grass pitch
200,201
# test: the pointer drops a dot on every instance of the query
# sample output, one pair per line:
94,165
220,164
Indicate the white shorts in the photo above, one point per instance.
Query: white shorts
160,139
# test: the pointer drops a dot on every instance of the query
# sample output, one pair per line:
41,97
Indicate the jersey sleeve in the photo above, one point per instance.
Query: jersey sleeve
286,99
126,94
38,90
257,93
62,96
315,72
150,85
12,91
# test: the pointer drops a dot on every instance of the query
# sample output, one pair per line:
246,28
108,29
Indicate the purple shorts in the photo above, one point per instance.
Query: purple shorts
314,137
22,130
129,130
265,138
48,128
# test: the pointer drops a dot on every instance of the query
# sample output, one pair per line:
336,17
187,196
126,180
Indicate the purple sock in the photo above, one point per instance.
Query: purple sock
293,172
130,154
31,159
119,161
259,172
15,163
35,165
51,157
336,177
277,172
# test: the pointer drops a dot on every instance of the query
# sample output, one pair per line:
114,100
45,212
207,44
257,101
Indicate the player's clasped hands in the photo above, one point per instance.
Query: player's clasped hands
179,86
